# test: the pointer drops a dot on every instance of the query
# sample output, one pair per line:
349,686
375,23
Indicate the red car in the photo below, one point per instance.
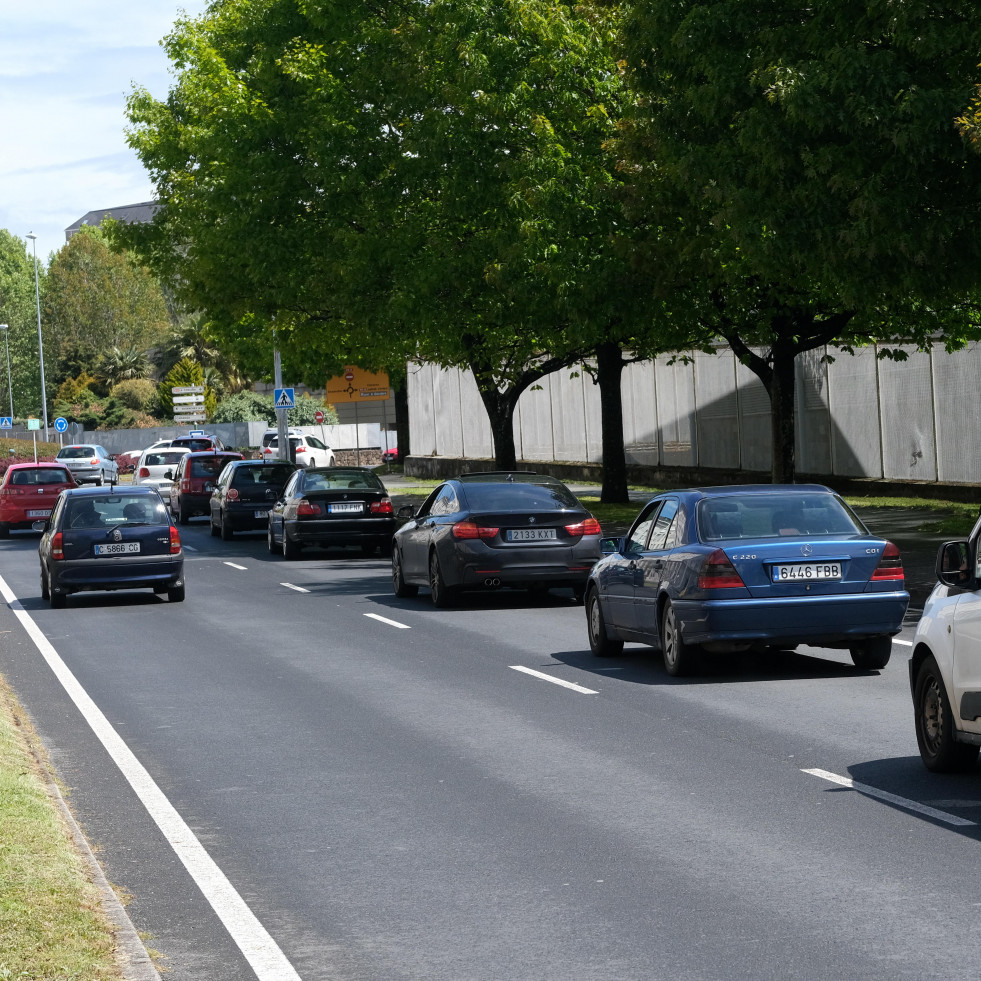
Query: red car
28,493
194,480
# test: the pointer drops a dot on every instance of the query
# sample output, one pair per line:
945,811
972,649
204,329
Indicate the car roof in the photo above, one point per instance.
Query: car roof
77,446
755,489
30,465
262,463
229,453
144,490
506,477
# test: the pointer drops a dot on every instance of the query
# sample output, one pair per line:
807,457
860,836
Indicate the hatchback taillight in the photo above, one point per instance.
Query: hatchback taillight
143,472
588,527
471,530
718,572
175,541
890,565
384,506
57,549
299,449
231,495
305,509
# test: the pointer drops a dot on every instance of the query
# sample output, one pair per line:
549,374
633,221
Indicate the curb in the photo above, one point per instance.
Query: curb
131,955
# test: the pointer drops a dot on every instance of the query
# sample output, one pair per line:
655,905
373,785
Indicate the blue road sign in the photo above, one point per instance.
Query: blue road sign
284,398
61,424
6,422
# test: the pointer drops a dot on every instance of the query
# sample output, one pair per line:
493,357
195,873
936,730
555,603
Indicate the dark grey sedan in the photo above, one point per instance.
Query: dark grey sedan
483,531
106,539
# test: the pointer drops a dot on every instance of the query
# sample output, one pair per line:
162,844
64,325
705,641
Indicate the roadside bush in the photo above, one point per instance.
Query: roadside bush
138,394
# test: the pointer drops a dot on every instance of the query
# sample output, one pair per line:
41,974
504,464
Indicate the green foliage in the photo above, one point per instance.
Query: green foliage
251,406
98,300
71,389
121,364
139,394
185,372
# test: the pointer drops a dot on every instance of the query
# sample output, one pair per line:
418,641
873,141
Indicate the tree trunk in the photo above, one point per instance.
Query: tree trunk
500,413
782,393
609,373
401,392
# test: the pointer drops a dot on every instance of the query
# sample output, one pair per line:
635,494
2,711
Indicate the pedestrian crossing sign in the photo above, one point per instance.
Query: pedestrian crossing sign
283,398
6,422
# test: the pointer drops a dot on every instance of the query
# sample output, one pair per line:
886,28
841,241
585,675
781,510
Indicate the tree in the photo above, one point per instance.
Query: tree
416,180
98,300
802,171
123,364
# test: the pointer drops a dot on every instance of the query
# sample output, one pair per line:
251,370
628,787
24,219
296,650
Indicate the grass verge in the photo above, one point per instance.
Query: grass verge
52,926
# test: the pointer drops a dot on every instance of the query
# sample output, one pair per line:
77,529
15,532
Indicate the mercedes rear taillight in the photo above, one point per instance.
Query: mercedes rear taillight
890,565
718,572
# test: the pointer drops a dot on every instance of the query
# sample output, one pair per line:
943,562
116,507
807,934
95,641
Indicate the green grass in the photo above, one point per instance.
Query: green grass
52,927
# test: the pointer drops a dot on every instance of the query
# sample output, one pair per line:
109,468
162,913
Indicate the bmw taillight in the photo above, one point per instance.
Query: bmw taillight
588,527
175,541
143,472
57,548
384,506
718,572
890,565
471,530
306,509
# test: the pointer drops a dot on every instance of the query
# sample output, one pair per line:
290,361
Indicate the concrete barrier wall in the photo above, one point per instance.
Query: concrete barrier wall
857,415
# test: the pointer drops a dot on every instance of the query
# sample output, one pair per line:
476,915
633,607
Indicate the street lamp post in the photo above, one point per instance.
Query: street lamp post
10,390
40,342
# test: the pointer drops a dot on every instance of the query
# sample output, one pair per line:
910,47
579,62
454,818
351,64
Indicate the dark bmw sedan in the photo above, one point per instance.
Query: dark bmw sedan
483,531
727,569
331,506
106,539
244,494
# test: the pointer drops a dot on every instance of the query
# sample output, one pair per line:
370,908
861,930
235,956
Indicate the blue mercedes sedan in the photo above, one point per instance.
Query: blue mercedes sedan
747,567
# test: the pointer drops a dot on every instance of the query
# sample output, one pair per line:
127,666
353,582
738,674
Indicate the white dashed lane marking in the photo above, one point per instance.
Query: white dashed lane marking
554,681
298,589
391,623
236,566
904,802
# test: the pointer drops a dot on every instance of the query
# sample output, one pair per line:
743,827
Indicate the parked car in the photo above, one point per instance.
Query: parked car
728,569
245,492
305,451
194,480
28,492
483,531
273,433
391,455
154,465
88,463
945,666
198,443
331,506
106,539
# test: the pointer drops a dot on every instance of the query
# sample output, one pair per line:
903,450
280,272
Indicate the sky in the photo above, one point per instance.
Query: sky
66,69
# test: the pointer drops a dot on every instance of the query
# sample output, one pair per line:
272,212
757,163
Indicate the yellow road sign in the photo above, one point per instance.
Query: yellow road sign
355,384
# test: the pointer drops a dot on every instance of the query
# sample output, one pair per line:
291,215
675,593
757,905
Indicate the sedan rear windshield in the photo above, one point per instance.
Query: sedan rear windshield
76,452
261,476
521,497
208,466
338,479
775,516
161,459
43,475
194,444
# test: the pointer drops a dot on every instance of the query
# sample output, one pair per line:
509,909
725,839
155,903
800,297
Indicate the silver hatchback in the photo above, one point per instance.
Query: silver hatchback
89,463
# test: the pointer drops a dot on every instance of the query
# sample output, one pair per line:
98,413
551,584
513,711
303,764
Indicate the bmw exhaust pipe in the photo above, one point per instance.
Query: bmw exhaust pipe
492,582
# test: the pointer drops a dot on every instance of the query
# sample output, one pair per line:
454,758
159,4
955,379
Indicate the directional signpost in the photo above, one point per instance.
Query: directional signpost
188,403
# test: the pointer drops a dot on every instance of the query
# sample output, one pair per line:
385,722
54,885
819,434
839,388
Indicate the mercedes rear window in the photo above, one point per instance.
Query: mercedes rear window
768,515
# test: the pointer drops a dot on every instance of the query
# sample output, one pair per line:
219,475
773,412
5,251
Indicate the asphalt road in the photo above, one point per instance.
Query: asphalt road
398,798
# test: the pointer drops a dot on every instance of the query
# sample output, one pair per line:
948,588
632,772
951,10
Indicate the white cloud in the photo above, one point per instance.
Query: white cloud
66,69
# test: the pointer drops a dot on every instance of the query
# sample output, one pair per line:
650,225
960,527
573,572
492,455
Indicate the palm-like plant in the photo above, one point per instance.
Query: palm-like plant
123,363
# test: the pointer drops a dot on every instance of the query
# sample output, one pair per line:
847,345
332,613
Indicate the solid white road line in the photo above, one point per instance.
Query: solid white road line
391,623
909,805
905,643
251,937
555,681
290,585
235,566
